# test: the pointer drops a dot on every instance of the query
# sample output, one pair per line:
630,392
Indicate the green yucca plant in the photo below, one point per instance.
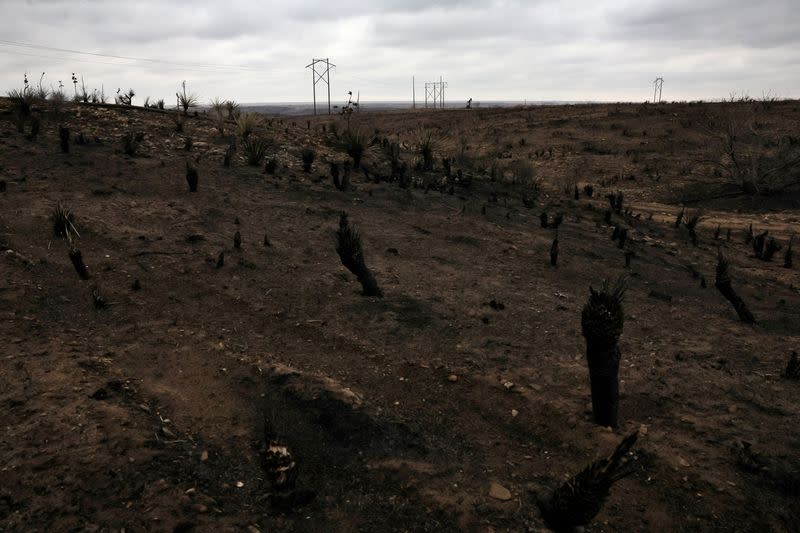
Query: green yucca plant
246,124
186,99
218,116
218,106
355,143
233,109
255,150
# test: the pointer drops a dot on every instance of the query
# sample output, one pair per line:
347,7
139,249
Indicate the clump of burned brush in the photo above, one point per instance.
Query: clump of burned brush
64,227
723,284
578,501
764,246
351,253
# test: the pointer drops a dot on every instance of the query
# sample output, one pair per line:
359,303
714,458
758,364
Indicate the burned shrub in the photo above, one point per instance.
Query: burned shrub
765,247
63,222
578,501
723,284
76,259
691,225
554,251
351,254
63,136
192,177
308,155
343,182
131,142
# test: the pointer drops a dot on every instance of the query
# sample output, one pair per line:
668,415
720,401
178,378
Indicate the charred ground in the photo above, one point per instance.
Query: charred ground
402,411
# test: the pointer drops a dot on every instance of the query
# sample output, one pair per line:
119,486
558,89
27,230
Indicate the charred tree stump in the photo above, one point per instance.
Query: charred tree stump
601,322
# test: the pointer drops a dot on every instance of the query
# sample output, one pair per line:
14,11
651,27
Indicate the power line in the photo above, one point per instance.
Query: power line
134,66
19,44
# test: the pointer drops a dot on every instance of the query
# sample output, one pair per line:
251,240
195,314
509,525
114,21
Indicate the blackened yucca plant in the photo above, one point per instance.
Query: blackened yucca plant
63,137
601,322
192,177
351,253
77,260
63,222
723,284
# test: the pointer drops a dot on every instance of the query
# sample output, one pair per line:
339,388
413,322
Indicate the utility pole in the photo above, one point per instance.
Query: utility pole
658,84
323,76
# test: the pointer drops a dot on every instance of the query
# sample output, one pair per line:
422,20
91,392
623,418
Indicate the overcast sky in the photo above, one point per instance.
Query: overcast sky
487,50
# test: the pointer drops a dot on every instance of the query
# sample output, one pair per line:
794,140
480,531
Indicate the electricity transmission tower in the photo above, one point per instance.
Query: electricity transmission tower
658,83
435,91
323,75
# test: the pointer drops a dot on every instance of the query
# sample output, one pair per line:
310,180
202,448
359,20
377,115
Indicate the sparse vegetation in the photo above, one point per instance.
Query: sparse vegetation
757,162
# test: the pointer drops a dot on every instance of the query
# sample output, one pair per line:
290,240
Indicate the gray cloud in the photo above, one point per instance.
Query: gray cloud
492,49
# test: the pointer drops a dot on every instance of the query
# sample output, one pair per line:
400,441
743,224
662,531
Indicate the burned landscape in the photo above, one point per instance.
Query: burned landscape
381,321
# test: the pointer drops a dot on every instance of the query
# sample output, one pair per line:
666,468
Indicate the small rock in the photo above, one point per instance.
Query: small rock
452,378
642,430
683,462
204,456
508,385
514,412
199,508
499,492
166,432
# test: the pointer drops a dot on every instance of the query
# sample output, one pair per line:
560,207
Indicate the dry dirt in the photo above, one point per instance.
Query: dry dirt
402,411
